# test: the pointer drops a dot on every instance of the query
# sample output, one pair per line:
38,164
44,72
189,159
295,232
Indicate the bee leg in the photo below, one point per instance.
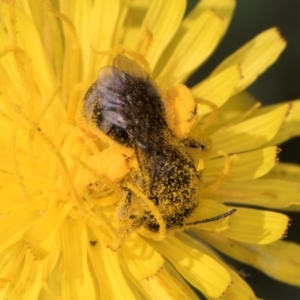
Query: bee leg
137,224
123,212
129,222
191,143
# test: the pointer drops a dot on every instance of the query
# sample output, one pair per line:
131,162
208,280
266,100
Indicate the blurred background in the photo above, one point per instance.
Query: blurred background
281,82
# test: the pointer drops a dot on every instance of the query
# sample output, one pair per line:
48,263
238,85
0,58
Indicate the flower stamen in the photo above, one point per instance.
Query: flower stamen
245,115
47,105
213,115
145,40
16,164
55,151
46,287
229,160
14,267
61,16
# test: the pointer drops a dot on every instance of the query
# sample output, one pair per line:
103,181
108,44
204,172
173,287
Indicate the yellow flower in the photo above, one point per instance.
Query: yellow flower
61,235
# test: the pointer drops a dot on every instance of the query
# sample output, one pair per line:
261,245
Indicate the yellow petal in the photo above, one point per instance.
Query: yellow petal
70,72
249,134
10,127
141,259
256,226
163,19
98,34
278,260
196,45
166,283
11,198
225,82
52,271
240,103
291,125
76,280
269,193
199,269
285,171
49,29
223,9
236,109
14,224
11,263
110,279
208,209
135,14
255,57
164,286
80,13
238,289
48,223
28,36
287,177
72,10
180,282
249,165
29,283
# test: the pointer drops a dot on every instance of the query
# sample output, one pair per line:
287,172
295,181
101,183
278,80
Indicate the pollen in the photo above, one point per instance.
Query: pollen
180,110
98,207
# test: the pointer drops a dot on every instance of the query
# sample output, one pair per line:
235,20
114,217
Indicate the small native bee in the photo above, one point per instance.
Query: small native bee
125,104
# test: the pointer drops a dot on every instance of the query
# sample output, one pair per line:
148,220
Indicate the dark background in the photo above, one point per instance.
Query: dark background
281,82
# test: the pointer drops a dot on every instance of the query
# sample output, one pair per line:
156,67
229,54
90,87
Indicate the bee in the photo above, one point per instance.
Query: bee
125,104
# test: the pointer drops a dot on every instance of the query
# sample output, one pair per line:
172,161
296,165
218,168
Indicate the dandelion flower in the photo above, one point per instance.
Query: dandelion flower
60,175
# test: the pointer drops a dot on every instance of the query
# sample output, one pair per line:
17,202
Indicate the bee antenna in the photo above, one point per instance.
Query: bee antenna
222,216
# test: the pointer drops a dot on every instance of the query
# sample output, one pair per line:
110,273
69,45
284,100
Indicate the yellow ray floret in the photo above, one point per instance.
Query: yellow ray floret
249,134
197,268
226,82
277,259
256,227
195,46
162,20
238,289
246,166
264,192
255,57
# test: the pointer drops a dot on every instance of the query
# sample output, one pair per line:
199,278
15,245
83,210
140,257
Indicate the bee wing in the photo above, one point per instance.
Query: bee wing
111,95
147,166
134,70
92,109
130,67
151,162
120,88
112,82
